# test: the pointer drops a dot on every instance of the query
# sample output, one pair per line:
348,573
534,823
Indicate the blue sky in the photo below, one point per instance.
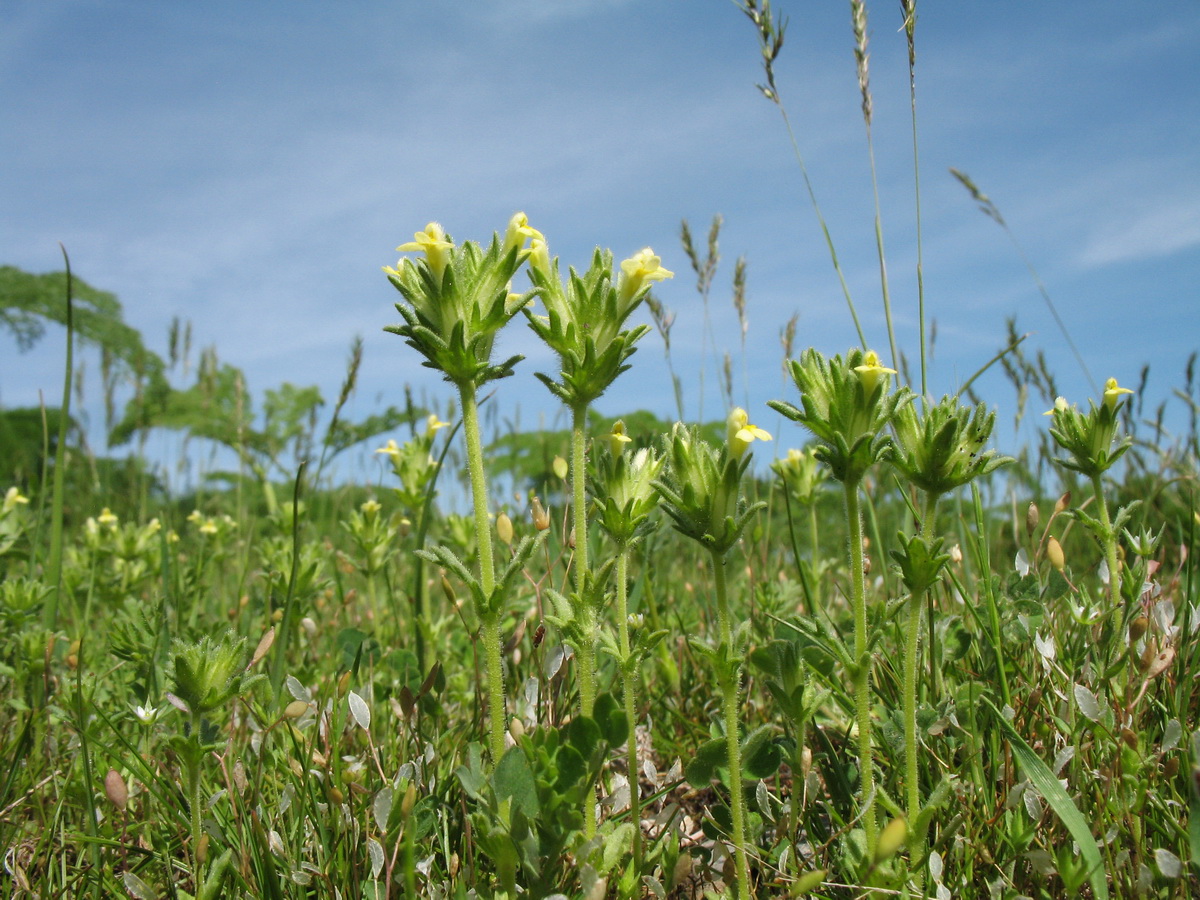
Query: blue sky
251,166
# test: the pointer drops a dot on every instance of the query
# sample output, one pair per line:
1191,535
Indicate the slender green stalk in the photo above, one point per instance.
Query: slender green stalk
730,683
629,680
912,656
287,623
54,564
910,27
862,661
489,618
1110,544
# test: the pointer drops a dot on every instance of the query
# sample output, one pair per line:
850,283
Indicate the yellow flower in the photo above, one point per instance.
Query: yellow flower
1113,392
1060,405
871,371
209,527
107,517
391,448
617,439
741,434
195,516
638,271
519,231
432,242
13,497
370,507
432,425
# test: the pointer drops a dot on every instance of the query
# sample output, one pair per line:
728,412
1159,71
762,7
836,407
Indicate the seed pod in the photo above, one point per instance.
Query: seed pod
1062,503
115,789
516,728
409,801
504,528
295,709
1130,738
891,839
1054,553
541,518
1137,628
1031,518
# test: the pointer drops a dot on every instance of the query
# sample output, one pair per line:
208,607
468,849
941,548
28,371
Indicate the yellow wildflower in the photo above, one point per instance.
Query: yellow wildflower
741,434
871,371
433,243
1113,392
638,271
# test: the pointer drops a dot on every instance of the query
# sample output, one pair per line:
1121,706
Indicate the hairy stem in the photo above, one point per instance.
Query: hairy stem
629,679
862,661
489,618
730,683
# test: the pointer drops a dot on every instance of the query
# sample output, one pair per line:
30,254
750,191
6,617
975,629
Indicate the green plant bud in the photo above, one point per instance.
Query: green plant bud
809,881
560,468
891,839
516,728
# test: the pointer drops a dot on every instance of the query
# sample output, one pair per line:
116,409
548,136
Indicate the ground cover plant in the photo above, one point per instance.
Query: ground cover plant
898,661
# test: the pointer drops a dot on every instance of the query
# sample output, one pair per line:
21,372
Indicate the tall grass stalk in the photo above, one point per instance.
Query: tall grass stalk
770,35
54,564
858,15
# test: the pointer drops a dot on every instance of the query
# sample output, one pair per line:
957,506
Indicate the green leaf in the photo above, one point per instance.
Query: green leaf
703,767
1059,800
514,779
611,719
761,756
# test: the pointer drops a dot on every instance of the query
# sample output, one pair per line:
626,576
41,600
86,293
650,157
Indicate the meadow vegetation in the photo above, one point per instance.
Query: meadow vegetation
896,661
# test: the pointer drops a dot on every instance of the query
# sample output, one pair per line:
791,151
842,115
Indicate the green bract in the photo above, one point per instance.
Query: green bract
457,298
584,320
1089,436
625,493
847,406
701,490
940,448
208,673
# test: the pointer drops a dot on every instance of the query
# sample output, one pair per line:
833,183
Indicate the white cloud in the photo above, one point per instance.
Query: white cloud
1147,234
